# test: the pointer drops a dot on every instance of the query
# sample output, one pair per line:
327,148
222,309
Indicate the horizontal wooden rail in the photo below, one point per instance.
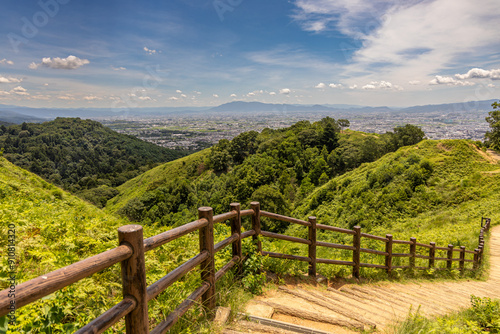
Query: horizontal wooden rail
247,234
403,242
224,216
371,265
248,212
339,262
337,246
335,229
163,283
373,237
173,317
287,256
226,242
44,285
284,218
285,237
373,251
423,245
222,271
168,236
109,318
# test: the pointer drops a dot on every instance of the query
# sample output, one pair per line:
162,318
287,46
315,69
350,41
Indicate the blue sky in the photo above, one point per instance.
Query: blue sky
69,53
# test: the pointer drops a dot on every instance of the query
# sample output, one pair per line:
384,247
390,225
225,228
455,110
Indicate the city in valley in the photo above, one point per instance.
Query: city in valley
201,130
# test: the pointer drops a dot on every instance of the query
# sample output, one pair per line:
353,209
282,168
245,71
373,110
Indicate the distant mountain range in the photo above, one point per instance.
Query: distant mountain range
16,114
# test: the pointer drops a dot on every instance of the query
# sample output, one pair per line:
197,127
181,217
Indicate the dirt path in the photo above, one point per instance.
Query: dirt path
353,307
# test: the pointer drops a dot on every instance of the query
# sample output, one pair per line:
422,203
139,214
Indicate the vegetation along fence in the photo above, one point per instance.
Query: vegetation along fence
136,294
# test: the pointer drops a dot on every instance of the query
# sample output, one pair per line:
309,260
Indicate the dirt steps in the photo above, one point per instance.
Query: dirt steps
354,307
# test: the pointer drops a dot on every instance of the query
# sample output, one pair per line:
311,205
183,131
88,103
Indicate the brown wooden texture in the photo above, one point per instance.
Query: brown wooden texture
373,237
228,241
285,237
224,216
256,225
335,229
222,271
356,254
165,237
134,279
284,218
109,318
339,262
413,251
449,257
337,246
432,255
312,246
286,256
163,283
247,234
236,228
388,250
208,266
44,285
462,258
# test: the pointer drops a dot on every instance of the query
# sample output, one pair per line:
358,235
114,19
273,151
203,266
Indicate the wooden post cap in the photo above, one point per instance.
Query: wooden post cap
312,218
205,209
129,228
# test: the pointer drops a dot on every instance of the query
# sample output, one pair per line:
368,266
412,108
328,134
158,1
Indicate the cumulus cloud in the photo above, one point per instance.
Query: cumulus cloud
320,85
491,85
151,51
4,93
353,86
19,91
233,95
414,82
91,98
450,81
285,91
178,91
69,63
121,68
381,85
216,96
332,85
479,73
66,97
9,79
6,62
144,98
173,98
272,93
183,95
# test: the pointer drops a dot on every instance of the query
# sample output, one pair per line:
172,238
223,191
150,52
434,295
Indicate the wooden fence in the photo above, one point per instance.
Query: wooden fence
132,248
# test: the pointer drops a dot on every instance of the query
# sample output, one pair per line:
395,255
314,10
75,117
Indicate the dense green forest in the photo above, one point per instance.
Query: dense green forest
279,168
81,156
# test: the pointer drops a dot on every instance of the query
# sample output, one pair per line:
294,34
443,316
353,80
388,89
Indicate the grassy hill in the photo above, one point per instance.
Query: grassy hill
80,155
54,229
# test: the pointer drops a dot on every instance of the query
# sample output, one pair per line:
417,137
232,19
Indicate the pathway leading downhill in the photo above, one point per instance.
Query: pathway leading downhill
363,306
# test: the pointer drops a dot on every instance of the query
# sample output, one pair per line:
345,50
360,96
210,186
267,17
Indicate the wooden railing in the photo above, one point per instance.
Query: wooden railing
132,248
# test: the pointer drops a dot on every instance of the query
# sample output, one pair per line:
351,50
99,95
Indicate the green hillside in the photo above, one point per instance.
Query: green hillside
279,168
54,229
81,156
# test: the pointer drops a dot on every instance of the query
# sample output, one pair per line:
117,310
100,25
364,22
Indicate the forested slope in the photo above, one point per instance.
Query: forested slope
81,155
279,168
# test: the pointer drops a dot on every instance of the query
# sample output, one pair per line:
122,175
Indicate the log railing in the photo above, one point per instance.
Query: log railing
132,248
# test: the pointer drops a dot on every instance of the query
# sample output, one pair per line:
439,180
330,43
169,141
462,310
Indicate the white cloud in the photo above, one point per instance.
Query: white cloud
178,91
9,80
173,98
121,68
91,98
45,84
19,91
272,93
251,94
216,96
144,98
405,39
66,97
4,93
233,95
320,85
441,80
332,85
151,51
353,86
6,62
491,85
285,91
69,63
196,92
183,95
381,85
478,73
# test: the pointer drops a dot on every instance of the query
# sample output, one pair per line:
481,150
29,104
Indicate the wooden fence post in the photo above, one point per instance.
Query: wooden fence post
388,250
312,246
480,254
432,255
208,266
236,228
450,256
134,279
413,251
356,254
475,264
256,225
462,258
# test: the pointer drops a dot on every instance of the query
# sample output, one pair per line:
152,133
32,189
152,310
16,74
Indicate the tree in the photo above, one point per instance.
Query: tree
408,135
493,137
343,123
